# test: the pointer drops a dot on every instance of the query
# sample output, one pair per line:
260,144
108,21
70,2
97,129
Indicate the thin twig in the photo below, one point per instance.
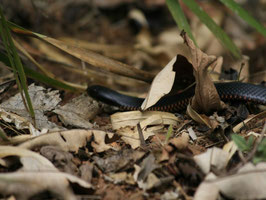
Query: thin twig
141,137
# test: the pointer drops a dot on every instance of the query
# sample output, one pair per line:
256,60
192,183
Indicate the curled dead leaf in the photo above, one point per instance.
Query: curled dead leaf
206,96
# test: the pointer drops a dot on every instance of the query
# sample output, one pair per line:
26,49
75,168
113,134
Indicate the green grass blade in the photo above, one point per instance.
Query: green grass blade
237,9
240,142
38,76
214,28
179,17
15,60
169,133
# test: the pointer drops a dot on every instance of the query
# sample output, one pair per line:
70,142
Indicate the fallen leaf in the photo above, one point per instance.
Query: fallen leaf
13,110
213,157
231,148
180,142
24,185
70,140
125,124
161,85
61,159
122,177
99,141
132,118
147,166
202,119
238,127
206,96
78,112
120,160
247,183
29,159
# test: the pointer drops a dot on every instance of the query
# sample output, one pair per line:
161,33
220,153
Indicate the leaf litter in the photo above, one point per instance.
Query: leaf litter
111,161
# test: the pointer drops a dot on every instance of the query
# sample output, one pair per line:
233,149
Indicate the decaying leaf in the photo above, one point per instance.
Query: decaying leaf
238,127
202,119
36,175
132,118
180,142
120,160
70,140
24,185
29,159
61,159
131,136
121,177
145,177
99,141
247,183
125,124
43,101
78,112
100,61
206,97
213,157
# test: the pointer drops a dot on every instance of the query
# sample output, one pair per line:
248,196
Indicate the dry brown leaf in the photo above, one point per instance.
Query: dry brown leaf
180,142
206,96
110,50
98,60
202,119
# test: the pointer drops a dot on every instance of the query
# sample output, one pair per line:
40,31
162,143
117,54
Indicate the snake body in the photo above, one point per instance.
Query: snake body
233,91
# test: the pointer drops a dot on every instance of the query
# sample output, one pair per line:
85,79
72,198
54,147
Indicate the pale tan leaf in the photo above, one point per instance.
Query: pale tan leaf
29,159
231,148
99,141
125,123
24,185
248,183
180,142
132,118
131,136
213,157
70,140
161,85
